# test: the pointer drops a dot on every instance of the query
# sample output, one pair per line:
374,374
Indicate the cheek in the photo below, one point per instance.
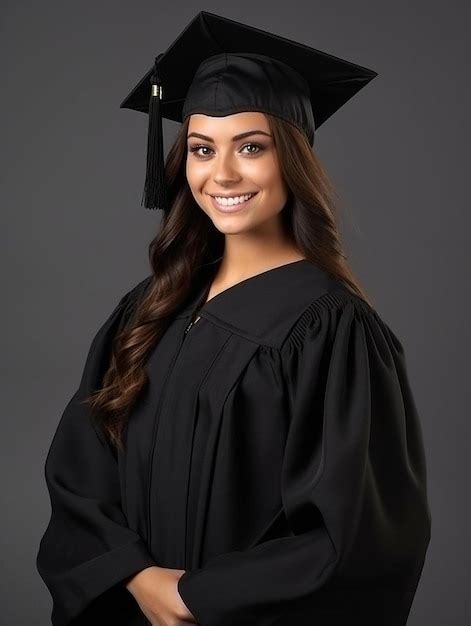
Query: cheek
195,174
265,172
190,174
270,180
196,179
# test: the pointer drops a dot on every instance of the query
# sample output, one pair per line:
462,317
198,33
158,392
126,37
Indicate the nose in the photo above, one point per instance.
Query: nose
225,173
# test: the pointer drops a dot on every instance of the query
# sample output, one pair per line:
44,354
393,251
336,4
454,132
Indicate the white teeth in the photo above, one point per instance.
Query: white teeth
234,200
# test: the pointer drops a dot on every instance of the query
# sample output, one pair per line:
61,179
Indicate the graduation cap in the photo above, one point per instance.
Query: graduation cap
218,67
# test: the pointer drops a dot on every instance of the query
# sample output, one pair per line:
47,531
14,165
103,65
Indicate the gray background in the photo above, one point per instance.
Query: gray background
75,236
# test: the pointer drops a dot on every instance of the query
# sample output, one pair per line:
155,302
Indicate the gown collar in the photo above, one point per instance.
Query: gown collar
263,307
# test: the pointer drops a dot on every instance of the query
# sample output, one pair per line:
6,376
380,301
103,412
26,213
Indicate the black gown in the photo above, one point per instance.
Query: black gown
276,455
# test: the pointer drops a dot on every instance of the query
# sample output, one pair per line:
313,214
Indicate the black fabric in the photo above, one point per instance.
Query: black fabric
88,545
231,83
220,66
276,456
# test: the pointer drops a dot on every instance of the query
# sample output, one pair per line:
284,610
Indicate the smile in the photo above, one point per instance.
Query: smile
232,204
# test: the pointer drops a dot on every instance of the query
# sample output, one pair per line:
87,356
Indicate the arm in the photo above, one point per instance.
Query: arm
352,485
87,547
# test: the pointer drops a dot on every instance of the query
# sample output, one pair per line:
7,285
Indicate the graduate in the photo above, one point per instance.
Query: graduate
243,448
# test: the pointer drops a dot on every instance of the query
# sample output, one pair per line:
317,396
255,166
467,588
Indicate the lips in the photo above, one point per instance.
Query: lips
233,207
232,195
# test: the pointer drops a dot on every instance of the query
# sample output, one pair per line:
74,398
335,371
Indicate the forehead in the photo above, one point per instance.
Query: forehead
228,125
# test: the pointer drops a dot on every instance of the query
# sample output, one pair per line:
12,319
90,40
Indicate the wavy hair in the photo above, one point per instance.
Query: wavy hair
187,239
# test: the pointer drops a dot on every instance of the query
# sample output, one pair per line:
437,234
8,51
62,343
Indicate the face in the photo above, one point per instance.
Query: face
229,158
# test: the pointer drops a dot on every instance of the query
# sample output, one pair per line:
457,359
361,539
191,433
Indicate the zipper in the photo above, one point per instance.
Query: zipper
192,323
188,327
154,433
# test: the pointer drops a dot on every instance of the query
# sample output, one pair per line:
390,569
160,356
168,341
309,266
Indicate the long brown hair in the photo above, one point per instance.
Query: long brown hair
187,240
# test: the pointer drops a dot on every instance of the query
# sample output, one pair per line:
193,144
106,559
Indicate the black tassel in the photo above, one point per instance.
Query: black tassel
155,191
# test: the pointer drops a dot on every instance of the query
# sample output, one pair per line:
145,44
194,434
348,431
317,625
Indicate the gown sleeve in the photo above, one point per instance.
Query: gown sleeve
87,548
353,487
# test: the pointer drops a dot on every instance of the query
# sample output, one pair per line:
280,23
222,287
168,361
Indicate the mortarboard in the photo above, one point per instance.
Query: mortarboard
218,67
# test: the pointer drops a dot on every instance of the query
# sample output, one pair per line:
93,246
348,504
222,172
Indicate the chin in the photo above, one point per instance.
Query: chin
232,226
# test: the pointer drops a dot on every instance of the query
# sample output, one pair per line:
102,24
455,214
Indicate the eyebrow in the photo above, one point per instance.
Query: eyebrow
236,138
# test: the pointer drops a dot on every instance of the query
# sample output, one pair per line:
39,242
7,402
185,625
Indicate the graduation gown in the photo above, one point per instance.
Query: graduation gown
276,455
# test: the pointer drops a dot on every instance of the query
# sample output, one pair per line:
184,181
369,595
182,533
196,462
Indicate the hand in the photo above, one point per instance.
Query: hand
155,590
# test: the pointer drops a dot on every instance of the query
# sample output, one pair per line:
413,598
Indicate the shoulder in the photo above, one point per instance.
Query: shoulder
267,307
318,298
336,310
335,300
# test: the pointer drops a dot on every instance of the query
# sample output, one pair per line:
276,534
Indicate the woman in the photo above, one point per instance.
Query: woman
243,447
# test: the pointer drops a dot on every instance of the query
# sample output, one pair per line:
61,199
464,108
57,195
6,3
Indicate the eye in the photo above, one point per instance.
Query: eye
194,149
254,145
199,147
